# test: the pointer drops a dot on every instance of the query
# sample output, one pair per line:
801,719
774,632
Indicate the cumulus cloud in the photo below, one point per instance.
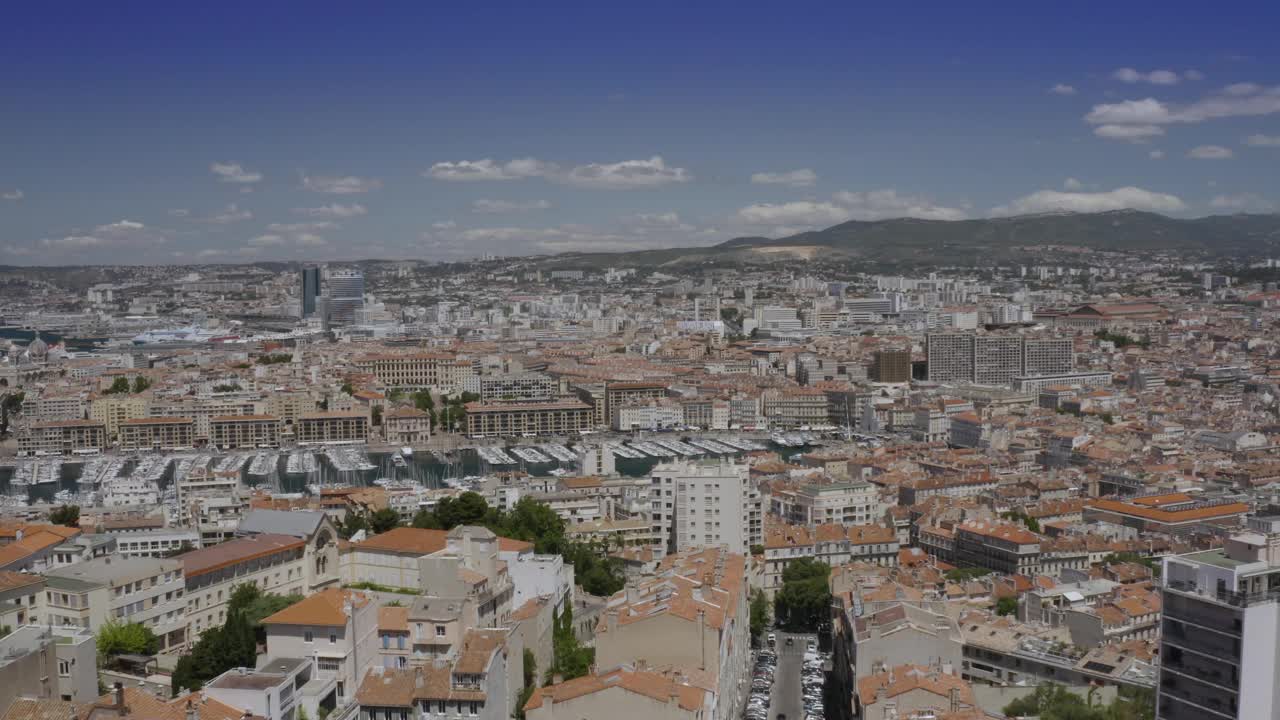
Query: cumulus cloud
1263,140
627,174
179,212
444,225
1193,75
230,214
1072,184
72,241
13,195
1241,100
333,210
845,206
1132,198
804,177
268,239
1132,133
1210,152
1155,77
508,206
1156,154
1063,89
340,184
1242,202
234,173
489,170
299,227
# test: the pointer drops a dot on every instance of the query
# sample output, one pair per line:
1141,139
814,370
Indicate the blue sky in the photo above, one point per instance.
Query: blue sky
149,132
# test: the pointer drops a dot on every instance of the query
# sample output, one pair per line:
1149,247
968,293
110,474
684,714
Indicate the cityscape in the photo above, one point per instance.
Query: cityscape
712,443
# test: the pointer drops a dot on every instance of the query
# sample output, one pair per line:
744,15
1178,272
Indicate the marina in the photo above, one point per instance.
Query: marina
559,452
529,454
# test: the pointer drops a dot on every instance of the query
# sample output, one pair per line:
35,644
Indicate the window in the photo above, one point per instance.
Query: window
308,636
64,668
333,637
440,631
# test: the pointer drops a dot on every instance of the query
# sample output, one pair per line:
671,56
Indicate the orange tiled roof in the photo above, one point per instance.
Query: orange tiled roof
324,608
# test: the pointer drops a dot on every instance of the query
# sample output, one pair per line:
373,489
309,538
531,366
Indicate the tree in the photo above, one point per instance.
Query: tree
347,388
376,416
530,682
119,386
140,384
569,658
804,602
757,549
68,515
759,614
353,523
1006,606
126,638
383,520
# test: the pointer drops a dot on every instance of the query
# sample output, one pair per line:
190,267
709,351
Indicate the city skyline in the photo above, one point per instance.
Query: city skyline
158,135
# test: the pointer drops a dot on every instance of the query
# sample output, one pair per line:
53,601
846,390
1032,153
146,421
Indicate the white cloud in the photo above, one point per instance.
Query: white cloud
883,204
507,206
14,195
627,175
488,170
340,185
301,227
1193,75
1263,140
1085,202
269,239
234,173
803,177
333,210
231,213
1155,77
1149,111
309,240
1242,202
1132,133
1210,152
1072,184
179,212
844,206
444,225
1156,154
1063,89
72,241
120,226
1241,89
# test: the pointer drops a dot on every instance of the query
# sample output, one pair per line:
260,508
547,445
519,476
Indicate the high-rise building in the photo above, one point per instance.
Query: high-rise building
707,503
956,357
310,290
1221,619
345,295
891,366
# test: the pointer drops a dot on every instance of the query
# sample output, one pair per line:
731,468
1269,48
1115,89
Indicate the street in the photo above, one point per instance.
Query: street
787,696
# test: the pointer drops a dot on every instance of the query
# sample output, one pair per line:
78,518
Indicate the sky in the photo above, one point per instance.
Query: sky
229,132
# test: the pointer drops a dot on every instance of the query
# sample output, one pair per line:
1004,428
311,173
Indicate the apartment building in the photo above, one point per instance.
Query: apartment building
987,359
795,407
21,599
1221,611
58,437
157,433
706,412
691,615
275,563
118,589
707,503
833,544
526,419
289,404
660,414
44,407
513,387
848,503
332,427
1002,547
890,366
235,432
418,371
481,680
39,664
623,694
339,628
156,543
406,426
617,394
111,410
1166,513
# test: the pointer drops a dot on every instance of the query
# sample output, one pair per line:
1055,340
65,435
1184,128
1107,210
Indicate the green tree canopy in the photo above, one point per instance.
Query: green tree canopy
804,602
127,638
68,515
383,520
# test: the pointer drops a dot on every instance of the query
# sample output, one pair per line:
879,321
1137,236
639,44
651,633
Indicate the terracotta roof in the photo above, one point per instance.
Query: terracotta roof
158,421
15,580
231,552
649,684
1170,516
905,678
478,647
393,619
324,608
407,540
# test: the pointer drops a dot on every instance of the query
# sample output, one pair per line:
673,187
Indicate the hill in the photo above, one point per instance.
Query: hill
978,242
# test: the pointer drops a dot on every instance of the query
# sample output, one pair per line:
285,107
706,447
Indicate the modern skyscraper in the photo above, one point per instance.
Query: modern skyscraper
1221,619
310,277
345,295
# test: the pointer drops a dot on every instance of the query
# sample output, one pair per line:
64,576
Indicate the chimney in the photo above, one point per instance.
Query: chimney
191,711
119,688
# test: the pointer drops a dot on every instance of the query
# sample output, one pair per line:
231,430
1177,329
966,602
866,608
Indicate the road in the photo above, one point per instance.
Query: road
788,694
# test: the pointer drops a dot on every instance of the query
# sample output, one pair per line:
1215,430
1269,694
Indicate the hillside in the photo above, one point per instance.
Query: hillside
978,242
